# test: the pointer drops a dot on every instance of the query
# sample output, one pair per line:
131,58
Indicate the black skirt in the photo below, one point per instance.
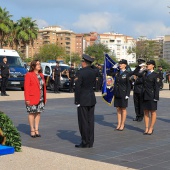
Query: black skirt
149,105
120,102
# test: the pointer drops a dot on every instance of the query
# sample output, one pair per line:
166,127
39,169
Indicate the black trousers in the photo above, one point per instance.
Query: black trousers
56,83
71,84
4,84
86,124
138,102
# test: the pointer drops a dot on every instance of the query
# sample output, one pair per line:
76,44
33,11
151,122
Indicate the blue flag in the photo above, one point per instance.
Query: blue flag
108,81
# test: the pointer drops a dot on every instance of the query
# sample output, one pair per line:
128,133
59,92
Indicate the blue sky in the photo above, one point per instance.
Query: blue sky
135,18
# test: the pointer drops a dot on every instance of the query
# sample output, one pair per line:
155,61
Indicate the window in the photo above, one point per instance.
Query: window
47,70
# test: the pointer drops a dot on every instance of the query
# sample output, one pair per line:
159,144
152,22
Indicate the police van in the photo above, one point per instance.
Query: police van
47,69
16,66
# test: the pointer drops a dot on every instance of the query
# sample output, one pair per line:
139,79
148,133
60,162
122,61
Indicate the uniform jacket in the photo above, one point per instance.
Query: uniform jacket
32,88
84,93
122,85
138,84
4,69
151,86
72,72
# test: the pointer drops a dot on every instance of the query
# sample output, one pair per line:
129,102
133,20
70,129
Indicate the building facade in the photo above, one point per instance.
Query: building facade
119,45
166,48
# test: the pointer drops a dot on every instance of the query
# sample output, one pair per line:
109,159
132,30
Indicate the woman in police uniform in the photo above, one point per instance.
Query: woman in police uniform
122,92
150,96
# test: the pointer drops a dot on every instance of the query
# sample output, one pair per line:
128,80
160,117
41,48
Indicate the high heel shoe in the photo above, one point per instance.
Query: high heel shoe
122,128
37,134
151,132
33,136
146,131
117,128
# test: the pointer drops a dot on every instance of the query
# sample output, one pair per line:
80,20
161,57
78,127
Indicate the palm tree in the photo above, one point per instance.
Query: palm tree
5,26
26,32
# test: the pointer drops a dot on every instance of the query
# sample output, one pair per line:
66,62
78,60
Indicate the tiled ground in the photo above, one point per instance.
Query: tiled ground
130,148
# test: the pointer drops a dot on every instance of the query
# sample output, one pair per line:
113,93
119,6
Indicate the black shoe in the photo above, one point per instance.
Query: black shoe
6,94
81,145
2,94
140,119
121,129
135,119
150,133
33,136
58,92
37,134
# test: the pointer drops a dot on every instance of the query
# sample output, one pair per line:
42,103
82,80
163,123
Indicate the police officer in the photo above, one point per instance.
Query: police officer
4,75
150,97
138,89
71,77
122,89
85,100
95,67
56,77
100,77
160,75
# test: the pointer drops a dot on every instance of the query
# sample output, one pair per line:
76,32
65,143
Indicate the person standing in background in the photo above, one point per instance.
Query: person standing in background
56,77
160,75
35,96
4,76
71,77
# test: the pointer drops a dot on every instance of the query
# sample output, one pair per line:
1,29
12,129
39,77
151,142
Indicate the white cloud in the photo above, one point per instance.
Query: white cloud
98,22
41,23
151,29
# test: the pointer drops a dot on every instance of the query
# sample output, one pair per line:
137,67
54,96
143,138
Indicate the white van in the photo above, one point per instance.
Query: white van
17,69
47,69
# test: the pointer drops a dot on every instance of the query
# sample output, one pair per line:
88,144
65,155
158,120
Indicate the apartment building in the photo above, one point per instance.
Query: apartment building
118,45
166,48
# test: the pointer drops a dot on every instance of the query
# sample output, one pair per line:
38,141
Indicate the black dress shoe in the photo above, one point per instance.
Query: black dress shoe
81,145
140,119
6,94
2,94
135,119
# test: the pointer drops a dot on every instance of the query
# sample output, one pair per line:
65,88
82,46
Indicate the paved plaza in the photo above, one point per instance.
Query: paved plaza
112,149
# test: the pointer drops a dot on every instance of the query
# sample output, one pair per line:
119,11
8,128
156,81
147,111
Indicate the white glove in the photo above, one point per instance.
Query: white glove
78,105
116,65
155,100
126,97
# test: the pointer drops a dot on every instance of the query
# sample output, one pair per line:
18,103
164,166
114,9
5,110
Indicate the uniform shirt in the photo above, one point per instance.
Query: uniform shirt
4,69
72,72
57,71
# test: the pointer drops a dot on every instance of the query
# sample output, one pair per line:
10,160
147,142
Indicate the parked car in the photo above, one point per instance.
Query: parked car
16,66
47,72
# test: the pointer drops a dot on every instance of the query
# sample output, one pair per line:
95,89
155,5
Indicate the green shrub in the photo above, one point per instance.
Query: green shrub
11,133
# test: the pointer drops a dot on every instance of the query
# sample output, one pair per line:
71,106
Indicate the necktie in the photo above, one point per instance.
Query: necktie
148,73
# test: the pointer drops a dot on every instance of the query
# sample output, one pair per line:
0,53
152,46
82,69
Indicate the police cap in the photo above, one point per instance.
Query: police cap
87,58
123,61
151,62
140,61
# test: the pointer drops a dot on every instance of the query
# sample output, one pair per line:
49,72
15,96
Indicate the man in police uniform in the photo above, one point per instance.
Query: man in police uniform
100,78
56,77
71,77
85,100
4,76
138,89
160,76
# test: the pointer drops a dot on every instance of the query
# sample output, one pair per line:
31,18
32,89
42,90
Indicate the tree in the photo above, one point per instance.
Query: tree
75,58
165,65
97,51
50,52
26,32
5,26
146,49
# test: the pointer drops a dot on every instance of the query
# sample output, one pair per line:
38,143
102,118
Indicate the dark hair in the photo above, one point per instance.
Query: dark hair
33,65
